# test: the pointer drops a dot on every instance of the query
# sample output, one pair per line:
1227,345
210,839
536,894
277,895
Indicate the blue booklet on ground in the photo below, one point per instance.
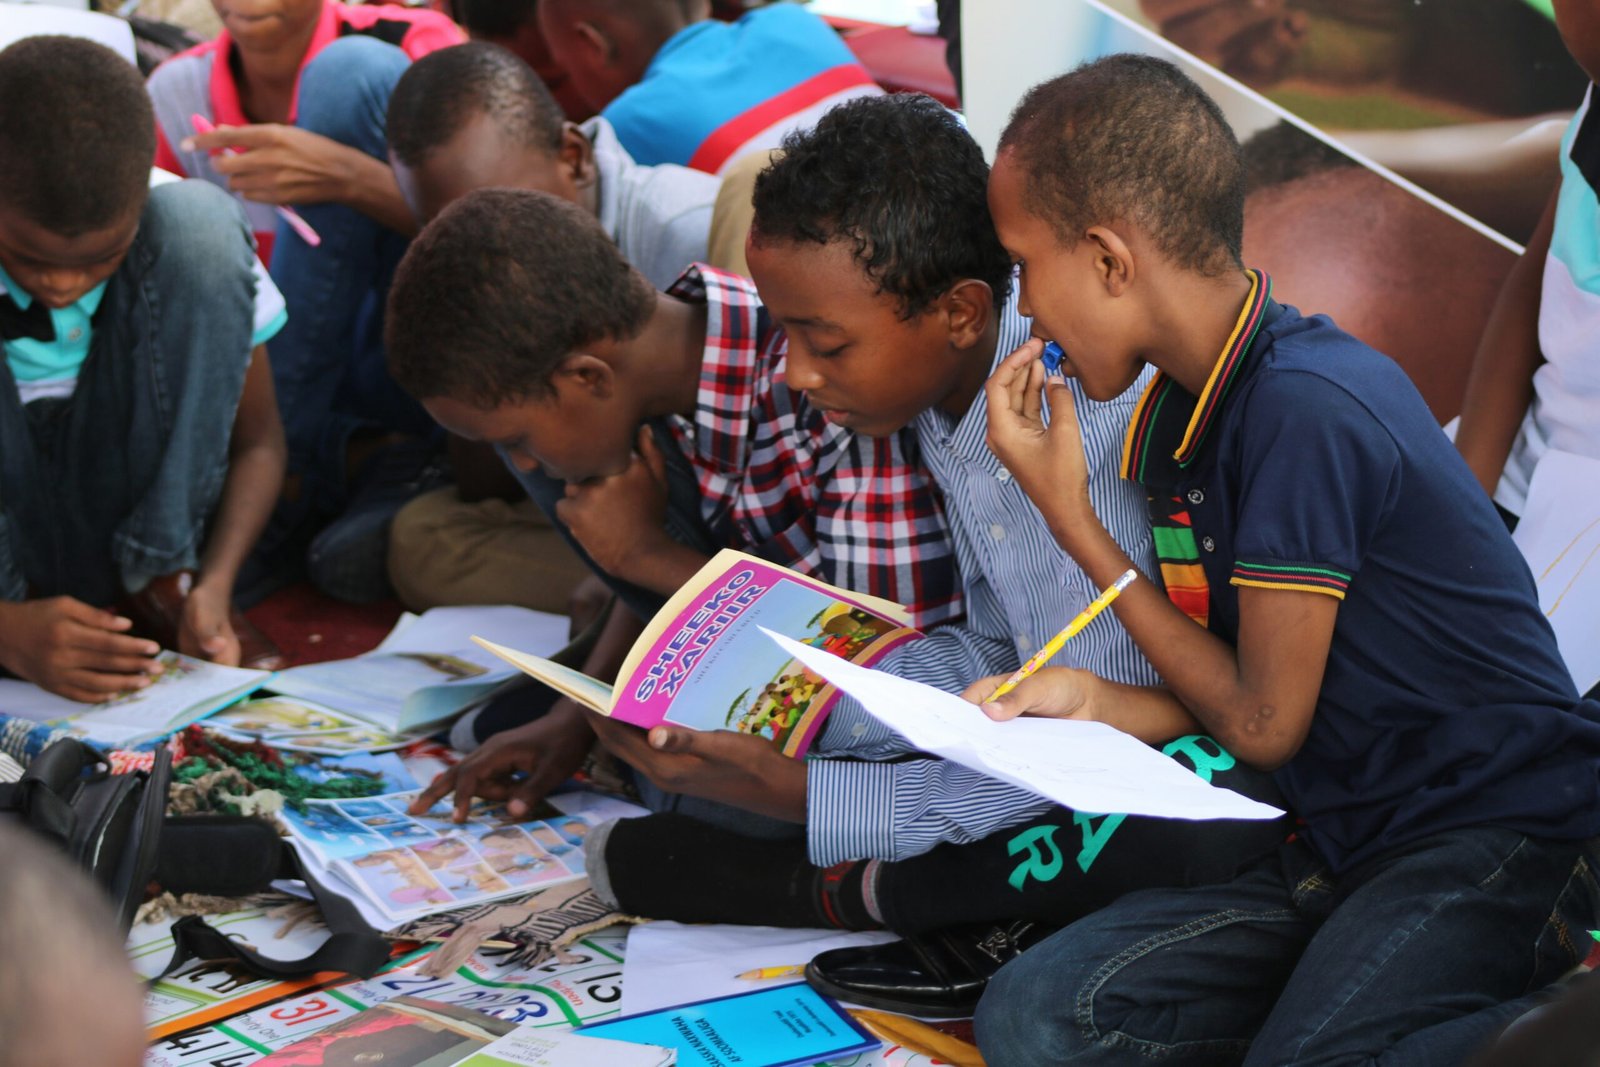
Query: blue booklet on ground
785,1026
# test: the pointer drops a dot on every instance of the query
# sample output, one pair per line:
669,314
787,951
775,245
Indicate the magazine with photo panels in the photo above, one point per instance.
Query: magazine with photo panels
703,661
410,866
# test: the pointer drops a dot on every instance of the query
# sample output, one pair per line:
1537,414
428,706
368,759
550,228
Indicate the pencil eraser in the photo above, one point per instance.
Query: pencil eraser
1052,358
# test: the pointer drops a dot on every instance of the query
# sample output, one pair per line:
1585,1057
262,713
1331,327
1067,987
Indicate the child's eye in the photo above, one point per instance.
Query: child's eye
828,353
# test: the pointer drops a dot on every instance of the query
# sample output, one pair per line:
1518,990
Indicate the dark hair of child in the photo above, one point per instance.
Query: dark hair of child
77,134
901,180
1130,137
493,18
444,90
501,287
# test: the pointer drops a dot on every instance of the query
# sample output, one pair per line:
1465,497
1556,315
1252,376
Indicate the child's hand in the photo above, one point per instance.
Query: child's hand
621,521
276,164
1050,693
730,768
205,631
1046,461
74,650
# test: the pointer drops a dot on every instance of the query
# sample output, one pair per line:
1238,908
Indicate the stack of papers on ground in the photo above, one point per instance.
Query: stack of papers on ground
397,866
185,691
296,725
1087,766
426,670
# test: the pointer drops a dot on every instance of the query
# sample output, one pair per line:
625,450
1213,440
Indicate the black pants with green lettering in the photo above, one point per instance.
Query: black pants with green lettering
1065,864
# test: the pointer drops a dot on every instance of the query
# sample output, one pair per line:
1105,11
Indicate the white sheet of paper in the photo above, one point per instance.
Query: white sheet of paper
670,963
1559,535
448,629
1088,766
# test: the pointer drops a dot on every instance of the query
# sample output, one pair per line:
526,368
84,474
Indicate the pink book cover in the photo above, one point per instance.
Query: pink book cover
709,667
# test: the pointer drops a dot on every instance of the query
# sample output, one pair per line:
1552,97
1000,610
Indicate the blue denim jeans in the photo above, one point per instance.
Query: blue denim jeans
114,485
1418,958
328,361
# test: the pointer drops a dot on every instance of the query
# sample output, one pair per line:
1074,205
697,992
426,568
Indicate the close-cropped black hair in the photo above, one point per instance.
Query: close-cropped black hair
501,287
901,180
441,92
1130,137
77,134
494,18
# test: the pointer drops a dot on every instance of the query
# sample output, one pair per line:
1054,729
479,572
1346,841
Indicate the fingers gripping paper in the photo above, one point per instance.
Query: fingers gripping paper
1088,766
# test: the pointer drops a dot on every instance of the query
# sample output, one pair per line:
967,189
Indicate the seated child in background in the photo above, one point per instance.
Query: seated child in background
61,962
517,322
513,25
476,116
298,90
1535,384
1403,686
681,87
139,434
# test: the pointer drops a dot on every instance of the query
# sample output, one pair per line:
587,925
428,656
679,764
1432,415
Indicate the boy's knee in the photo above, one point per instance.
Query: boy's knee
195,231
345,89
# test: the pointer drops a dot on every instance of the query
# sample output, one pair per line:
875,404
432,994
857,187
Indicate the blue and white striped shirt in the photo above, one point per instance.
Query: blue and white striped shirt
1020,589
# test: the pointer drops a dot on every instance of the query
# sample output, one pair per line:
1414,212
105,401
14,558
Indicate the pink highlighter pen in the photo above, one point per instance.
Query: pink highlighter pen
202,125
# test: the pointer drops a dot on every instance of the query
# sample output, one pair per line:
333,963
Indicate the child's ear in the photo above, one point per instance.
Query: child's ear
1113,259
583,375
597,40
968,308
576,156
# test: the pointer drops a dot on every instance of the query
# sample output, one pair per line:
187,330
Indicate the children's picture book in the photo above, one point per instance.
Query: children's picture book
782,1026
297,725
426,670
403,1032
703,662
410,866
186,690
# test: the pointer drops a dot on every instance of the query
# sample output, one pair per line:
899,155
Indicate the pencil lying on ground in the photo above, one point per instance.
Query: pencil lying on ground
1052,646
762,974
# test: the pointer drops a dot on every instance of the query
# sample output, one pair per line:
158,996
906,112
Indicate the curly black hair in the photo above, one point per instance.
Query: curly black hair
501,287
899,178
1131,137
442,91
77,134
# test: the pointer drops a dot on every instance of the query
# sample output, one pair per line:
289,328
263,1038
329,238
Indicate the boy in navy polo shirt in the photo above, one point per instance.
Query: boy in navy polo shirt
1342,605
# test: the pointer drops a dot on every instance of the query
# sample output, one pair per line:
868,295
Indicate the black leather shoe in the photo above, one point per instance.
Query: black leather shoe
940,974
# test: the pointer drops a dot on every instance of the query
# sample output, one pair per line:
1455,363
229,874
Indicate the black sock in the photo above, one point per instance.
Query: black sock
670,866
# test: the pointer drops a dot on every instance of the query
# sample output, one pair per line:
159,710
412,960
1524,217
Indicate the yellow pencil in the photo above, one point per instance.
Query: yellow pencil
1051,647
762,974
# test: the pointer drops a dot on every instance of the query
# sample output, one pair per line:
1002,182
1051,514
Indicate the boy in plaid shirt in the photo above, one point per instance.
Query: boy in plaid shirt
657,429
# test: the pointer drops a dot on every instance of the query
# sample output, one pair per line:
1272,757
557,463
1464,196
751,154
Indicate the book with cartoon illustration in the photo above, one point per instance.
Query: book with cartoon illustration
425,671
185,690
703,661
408,866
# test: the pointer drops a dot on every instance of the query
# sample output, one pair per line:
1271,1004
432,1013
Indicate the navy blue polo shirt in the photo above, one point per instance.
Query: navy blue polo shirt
1310,462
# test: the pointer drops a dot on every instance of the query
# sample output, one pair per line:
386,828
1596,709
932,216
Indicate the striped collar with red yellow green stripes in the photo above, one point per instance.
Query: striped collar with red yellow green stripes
1167,412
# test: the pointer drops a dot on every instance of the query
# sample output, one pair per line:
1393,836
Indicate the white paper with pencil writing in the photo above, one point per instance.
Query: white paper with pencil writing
1087,766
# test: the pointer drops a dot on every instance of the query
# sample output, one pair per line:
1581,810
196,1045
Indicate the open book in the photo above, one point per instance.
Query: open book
185,691
425,671
406,866
703,661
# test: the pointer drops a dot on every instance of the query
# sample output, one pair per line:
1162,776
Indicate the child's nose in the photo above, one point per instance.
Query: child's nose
801,373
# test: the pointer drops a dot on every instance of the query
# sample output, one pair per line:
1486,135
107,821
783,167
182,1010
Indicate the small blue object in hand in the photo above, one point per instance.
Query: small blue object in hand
1052,358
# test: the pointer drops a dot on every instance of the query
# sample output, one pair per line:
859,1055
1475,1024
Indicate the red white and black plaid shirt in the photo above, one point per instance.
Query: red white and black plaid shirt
781,482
